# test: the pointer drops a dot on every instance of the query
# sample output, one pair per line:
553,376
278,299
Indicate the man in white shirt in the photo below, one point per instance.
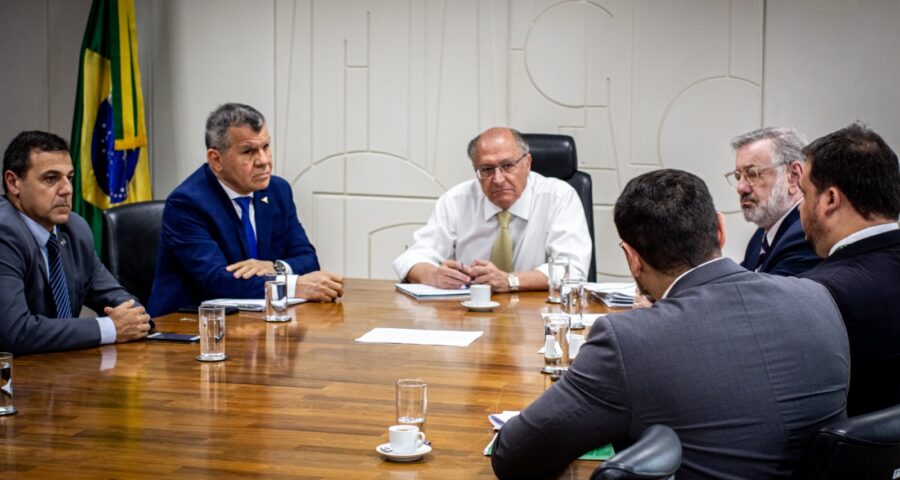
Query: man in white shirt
768,165
851,201
465,240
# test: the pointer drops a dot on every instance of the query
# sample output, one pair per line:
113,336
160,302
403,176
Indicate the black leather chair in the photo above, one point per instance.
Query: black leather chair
555,156
865,446
656,455
130,240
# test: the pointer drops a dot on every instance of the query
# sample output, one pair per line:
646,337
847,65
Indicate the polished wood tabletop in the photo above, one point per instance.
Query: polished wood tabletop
294,400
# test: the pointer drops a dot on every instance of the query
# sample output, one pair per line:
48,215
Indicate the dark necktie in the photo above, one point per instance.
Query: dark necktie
244,203
763,252
58,283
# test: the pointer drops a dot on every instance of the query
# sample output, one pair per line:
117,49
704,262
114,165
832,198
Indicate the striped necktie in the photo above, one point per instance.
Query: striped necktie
58,283
763,252
501,254
249,235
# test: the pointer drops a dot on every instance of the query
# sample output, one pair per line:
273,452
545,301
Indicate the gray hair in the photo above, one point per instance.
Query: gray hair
517,136
230,115
787,143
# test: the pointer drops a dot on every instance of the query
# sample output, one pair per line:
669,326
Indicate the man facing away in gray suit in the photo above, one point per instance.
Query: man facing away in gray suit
743,366
48,268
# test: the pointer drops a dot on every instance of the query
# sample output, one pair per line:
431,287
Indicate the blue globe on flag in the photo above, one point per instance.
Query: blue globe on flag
113,168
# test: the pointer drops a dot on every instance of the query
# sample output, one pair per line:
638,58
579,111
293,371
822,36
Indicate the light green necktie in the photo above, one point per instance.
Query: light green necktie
501,254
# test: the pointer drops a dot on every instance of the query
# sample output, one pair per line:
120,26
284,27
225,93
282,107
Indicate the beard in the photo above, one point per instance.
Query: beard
766,214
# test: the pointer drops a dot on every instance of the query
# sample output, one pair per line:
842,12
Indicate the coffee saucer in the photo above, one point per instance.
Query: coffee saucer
487,307
385,449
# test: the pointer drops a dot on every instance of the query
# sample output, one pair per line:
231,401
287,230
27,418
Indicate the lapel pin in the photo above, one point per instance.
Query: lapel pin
62,242
265,200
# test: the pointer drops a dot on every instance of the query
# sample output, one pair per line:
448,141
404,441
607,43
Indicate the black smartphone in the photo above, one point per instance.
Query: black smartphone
173,337
228,309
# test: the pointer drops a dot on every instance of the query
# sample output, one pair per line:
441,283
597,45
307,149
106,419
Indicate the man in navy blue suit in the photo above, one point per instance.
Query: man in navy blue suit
851,201
768,165
232,222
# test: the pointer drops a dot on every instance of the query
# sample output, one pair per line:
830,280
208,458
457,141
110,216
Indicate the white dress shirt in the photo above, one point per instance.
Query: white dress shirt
547,221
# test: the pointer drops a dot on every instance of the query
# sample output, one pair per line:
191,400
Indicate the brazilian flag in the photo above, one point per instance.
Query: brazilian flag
109,136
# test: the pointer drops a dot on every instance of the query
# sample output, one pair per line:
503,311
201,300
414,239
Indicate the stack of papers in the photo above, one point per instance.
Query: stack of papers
613,294
247,304
427,292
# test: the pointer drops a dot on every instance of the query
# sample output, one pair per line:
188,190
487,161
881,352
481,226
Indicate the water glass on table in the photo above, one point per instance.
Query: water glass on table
572,295
212,333
412,402
558,272
6,384
556,343
277,300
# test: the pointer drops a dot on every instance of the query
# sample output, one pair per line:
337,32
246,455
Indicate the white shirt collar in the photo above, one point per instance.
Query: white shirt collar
231,193
666,294
864,233
521,208
40,234
770,233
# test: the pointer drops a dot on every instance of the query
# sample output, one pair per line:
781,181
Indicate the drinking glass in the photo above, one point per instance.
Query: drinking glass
556,343
412,402
6,384
572,302
212,333
558,271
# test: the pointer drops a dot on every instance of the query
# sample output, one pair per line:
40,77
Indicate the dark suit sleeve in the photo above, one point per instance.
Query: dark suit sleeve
23,330
291,243
794,260
191,242
586,409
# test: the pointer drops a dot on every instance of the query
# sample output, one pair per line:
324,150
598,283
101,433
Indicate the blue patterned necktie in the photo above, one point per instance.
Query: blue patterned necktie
244,203
763,252
58,283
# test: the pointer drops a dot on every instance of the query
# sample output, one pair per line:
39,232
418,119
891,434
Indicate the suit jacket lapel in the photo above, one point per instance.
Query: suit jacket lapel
788,222
263,213
229,212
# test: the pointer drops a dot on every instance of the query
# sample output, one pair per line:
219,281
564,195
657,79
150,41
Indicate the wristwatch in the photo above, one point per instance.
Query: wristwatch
513,282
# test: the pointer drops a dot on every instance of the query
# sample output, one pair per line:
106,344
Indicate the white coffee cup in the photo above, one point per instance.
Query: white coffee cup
480,294
405,438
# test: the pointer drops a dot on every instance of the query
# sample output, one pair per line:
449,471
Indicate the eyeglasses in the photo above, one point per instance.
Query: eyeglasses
751,174
506,168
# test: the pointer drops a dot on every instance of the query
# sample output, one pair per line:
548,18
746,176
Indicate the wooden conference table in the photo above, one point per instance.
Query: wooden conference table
295,400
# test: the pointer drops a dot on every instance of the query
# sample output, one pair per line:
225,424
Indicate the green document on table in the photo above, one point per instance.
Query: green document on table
601,453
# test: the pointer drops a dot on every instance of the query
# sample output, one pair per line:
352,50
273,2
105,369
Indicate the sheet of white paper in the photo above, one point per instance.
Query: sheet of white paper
586,318
626,288
252,304
410,336
422,290
498,420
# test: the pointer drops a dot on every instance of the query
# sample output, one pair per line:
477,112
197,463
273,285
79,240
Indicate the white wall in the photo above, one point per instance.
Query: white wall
371,103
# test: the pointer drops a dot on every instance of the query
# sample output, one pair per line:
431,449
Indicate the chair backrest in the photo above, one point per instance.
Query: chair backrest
555,156
130,241
864,446
656,455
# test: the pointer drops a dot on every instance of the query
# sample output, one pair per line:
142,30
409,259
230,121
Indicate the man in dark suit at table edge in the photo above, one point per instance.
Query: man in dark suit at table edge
48,268
768,166
232,222
851,200
744,366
